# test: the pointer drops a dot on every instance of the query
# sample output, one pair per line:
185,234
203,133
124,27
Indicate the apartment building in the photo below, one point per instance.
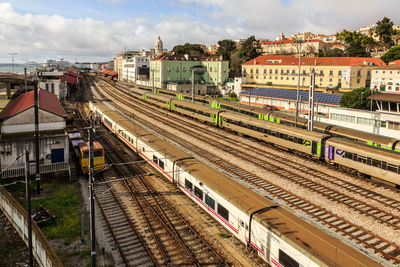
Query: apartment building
309,48
177,69
344,73
134,67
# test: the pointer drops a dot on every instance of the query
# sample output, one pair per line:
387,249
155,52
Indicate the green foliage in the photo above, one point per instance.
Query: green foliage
384,29
250,49
335,52
191,49
64,204
225,49
392,54
223,235
357,44
357,99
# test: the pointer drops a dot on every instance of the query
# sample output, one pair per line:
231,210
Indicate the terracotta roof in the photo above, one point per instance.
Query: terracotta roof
316,61
70,77
47,101
181,57
385,97
395,62
110,72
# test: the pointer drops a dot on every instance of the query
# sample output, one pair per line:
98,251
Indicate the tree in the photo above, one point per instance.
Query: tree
250,49
335,52
191,49
225,48
392,54
357,44
357,98
384,29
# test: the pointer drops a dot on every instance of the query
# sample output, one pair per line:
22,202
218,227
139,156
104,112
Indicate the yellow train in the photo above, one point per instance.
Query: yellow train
81,148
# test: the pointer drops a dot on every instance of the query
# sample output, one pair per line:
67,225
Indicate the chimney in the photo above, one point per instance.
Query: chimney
186,56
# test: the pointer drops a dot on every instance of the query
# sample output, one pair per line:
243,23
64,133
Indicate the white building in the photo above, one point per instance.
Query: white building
50,81
132,66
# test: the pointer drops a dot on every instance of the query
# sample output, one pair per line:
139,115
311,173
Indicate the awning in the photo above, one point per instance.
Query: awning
385,97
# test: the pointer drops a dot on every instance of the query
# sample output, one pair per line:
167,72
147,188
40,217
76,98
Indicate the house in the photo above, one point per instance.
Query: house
17,134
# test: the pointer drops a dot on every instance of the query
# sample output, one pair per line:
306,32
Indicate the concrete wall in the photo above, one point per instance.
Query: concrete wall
24,122
11,148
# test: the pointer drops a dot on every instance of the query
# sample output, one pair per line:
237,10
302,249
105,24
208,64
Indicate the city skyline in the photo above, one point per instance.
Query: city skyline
97,30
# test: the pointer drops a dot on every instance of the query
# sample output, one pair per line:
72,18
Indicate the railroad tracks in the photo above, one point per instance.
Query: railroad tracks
367,239
172,239
156,234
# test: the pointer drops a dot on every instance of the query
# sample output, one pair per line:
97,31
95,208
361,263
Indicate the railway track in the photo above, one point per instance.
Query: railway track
158,235
380,246
174,240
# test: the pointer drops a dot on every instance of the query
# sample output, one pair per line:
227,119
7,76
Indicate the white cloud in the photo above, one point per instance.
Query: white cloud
39,37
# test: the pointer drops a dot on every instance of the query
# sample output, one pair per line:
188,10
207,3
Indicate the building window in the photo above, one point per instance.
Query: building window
358,80
293,71
369,73
304,72
270,71
321,72
169,69
276,71
52,88
330,80
265,71
47,87
359,73
251,71
320,79
256,71
339,72
331,72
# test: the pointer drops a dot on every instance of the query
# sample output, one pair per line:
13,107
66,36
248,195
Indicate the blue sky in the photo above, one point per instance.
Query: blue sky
96,30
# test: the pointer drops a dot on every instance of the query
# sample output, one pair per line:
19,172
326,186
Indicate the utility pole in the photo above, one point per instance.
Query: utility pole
153,79
311,102
35,87
12,60
91,189
28,200
25,81
298,81
192,84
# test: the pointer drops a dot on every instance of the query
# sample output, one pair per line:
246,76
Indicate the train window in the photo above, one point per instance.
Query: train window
198,192
85,155
210,202
348,155
98,153
188,185
384,165
223,212
361,159
376,163
391,167
155,159
369,161
286,260
161,164
300,140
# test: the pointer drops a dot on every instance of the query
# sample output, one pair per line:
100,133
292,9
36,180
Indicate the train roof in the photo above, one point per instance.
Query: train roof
275,126
312,241
85,146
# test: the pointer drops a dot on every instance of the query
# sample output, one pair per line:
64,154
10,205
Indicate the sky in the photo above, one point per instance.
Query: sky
97,30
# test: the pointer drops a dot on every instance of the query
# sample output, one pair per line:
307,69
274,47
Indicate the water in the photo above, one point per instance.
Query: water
17,69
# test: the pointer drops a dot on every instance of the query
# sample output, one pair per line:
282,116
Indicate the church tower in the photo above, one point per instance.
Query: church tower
158,47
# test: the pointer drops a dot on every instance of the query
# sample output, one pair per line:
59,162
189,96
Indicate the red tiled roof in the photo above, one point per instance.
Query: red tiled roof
47,101
70,77
110,72
317,61
395,62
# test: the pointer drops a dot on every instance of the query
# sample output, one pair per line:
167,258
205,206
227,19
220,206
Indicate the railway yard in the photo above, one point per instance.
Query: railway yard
148,221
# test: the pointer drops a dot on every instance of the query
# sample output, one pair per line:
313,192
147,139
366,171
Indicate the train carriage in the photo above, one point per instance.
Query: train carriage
287,137
378,163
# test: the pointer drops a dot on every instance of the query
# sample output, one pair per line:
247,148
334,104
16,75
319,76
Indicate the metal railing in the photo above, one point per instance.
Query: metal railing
44,168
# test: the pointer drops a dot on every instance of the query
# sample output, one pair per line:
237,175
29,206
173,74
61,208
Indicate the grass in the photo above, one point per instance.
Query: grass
61,200
64,204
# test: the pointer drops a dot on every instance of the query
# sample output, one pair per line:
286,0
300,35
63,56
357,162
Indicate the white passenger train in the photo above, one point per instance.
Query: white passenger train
280,238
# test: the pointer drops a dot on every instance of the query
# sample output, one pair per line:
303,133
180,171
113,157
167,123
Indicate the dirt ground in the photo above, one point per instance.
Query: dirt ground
13,251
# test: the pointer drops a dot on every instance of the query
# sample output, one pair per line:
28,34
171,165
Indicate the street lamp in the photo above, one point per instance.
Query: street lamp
298,41
12,59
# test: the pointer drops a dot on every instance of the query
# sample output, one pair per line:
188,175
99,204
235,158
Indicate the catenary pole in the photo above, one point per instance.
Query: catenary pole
36,99
28,200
